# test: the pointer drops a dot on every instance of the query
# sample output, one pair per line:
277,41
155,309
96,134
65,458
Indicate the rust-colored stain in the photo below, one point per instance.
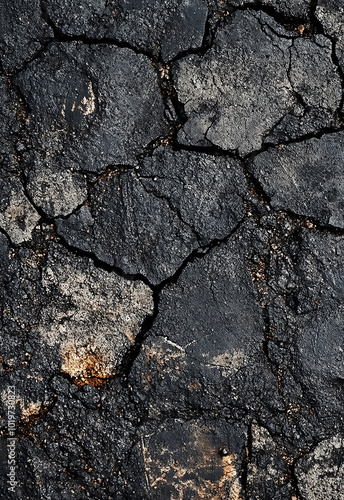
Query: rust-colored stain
40,255
166,469
300,29
110,172
31,411
230,476
195,386
165,72
292,409
228,487
85,366
21,112
257,270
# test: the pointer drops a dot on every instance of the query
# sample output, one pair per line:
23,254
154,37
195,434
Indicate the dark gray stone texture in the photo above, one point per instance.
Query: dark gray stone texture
10,116
122,227
330,15
319,353
156,27
298,9
90,114
217,341
253,80
171,249
23,32
183,199
207,192
306,177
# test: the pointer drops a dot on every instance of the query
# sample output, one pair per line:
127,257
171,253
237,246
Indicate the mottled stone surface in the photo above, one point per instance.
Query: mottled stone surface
92,113
56,190
171,250
124,224
183,199
82,318
166,27
306,177
17,215
250,80
320,474
23,32
97,315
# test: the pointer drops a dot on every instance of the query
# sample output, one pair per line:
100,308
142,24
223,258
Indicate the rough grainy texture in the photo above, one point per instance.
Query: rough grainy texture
23,32
82,317
17,216
253,80
306,178
330,15
288,9
171,250
206,192
123,226
219,332
157,27
95,312
268,468
56,190
92,105
321,474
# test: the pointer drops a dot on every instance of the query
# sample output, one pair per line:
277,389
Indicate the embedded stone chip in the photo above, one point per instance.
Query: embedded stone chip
17,215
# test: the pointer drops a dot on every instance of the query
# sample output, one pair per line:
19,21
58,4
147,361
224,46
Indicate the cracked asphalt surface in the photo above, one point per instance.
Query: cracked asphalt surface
172,249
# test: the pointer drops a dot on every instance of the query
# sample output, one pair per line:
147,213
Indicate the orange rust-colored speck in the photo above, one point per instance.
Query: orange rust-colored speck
85,366
301,29
109,172
195,386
